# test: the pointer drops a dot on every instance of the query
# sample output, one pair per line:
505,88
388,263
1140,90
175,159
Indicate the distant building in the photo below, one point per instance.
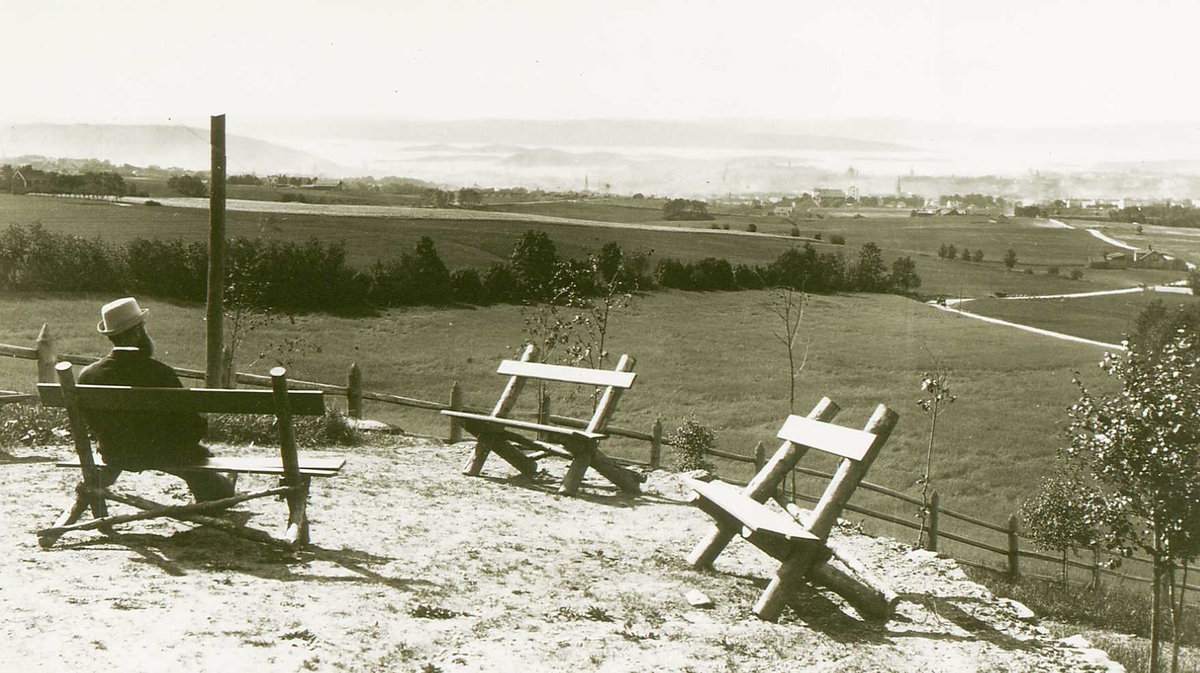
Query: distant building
324,185
829,198
25,181
783,211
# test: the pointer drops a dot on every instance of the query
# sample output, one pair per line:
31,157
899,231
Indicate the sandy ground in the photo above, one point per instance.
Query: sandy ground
417,568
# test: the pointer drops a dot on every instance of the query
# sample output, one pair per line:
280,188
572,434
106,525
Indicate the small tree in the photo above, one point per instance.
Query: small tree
1010,258
951,252
1141,450
787,304
1057,516
934,386
977,256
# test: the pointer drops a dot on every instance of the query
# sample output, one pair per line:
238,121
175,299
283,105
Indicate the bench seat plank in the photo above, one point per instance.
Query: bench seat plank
753,516
314,467
201,400
565,374
523,425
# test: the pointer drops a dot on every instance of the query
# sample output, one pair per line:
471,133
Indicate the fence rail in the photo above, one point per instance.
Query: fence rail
44,354
355,395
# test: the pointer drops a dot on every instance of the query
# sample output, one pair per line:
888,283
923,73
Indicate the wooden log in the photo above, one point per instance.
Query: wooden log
354,391
931,542
92,478
582,458
760,457
845,480
456,404
230,527
622,477
762,486
169,511
297,498
297,529
227,372
656,444
515,385
544,415
608,401
478,457
215,298
849,578
68,517
45,356
497,442
1014,546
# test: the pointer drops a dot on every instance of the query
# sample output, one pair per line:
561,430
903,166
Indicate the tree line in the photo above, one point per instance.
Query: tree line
92,183
314,276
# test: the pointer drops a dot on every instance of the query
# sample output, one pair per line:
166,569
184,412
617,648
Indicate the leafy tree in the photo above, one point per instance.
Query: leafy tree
1140,449
904,278
534,260
187,185
469,197
966,255
1056,517
977,256
1010,258
685,209
951,252
943,251
870,272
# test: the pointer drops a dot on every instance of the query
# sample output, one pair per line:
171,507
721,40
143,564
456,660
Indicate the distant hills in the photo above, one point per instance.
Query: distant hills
155,145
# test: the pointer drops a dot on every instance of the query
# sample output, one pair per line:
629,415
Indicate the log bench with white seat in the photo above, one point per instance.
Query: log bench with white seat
800,546
295,472
496,432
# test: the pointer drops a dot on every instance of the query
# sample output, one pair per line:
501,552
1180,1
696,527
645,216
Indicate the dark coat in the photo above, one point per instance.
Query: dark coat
142,440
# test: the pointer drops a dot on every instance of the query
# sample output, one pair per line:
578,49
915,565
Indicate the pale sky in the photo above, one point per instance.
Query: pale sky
1019,63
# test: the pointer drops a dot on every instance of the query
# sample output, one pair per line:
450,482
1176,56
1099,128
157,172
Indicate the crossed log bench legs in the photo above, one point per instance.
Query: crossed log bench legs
296,534
584,455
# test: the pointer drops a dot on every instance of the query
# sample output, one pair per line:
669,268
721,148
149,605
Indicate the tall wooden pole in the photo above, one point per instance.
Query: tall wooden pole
216,255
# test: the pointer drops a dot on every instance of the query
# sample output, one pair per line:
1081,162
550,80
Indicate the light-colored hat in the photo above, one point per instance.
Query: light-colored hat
120,315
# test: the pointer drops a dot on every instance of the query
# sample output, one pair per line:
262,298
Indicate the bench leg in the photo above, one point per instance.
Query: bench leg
785,583
68,517
582,460
297,530
478,458
624,478
708,549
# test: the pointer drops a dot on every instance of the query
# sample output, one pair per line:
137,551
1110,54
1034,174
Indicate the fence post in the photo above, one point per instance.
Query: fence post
354,391
931,543
1096,566
1014,547
45,356
228,379
656,444
456,404
544,416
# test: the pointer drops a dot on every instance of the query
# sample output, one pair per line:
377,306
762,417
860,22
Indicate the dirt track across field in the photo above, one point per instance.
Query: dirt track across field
417,568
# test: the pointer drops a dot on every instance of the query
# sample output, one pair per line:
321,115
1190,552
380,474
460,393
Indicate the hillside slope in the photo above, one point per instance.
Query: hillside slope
416,567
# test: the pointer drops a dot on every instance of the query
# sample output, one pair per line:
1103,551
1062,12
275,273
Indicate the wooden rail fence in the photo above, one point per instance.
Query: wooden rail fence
1011,551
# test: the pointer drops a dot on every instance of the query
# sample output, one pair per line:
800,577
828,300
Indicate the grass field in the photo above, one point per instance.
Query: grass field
481,242
707,354
1109,318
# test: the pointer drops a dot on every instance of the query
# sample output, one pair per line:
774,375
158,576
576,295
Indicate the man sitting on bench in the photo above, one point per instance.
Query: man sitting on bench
136,441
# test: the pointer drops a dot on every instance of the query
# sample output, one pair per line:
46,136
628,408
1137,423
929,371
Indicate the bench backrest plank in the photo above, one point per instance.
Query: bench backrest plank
840,441
564,374
202,400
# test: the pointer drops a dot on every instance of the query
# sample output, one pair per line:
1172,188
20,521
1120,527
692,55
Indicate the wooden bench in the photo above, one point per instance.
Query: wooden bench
495,432
800,547
295,472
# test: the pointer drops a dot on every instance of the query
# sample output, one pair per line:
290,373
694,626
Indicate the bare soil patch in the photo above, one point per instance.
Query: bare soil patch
415,567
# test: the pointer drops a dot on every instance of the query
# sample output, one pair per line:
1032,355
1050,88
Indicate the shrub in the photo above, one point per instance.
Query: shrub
500,284
1028,271
1052,270
977,256
685,209
1010,258
692,443
795,231
466,285
1076,274
837,239
331,429
673,273
752,227
748,277
152,203
725,226
32,426
817,235
712,273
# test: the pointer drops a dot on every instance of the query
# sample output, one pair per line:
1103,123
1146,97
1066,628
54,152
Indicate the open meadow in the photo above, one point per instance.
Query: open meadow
712,355
478,242
1107,318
